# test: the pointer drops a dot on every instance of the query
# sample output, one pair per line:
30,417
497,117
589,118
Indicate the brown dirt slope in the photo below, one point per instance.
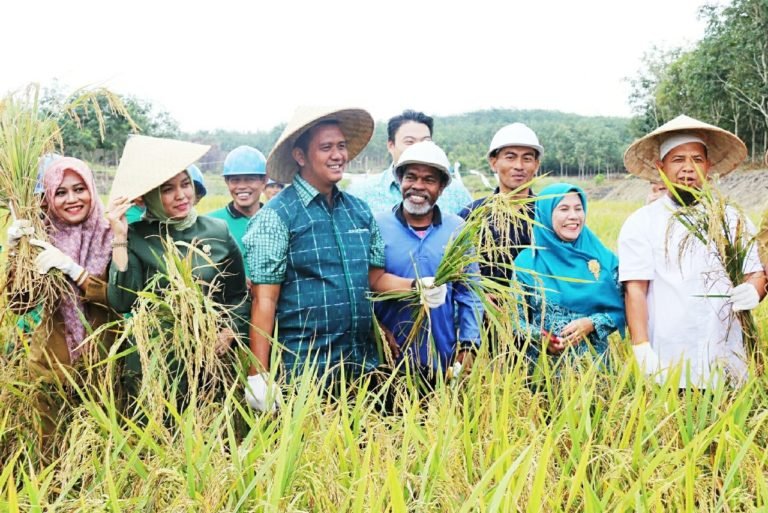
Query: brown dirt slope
748,189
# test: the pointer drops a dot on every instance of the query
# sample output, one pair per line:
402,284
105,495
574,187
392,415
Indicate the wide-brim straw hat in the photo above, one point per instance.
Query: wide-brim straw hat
725,151
355,124
148,162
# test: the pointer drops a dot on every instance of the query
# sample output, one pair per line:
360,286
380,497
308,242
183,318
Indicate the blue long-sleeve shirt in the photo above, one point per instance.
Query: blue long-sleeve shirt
410,253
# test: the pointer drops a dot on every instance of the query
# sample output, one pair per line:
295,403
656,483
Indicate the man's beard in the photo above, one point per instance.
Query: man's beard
684,198
417,210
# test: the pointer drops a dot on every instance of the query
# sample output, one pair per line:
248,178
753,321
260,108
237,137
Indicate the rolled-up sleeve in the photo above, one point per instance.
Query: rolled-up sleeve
636,260
377,246
266,248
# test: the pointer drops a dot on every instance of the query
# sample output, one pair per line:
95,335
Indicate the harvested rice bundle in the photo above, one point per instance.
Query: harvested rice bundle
27,133
175,326
725,229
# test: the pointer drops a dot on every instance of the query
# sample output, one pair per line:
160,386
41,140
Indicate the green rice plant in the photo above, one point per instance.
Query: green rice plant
578,436
19,425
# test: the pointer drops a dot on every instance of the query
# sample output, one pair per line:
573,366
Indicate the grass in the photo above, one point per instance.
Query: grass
584,441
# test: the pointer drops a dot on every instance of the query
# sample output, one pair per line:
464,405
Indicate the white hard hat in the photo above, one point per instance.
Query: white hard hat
516,134
427,153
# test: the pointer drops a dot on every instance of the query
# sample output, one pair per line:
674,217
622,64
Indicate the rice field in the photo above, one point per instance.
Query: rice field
573,438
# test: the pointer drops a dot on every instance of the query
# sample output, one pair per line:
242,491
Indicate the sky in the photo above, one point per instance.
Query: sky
247,65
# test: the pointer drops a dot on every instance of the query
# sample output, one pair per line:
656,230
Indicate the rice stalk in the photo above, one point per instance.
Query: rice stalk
722,228
27,132
175,325
485,239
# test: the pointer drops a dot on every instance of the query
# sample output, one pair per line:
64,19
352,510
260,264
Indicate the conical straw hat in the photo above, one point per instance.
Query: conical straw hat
148,162
356,124
724,150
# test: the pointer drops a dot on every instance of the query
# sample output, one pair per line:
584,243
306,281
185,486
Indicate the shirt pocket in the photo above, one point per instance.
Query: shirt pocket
356,245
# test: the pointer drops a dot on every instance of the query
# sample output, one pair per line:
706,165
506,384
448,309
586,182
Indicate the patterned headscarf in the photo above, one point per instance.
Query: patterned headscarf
156,211
87,243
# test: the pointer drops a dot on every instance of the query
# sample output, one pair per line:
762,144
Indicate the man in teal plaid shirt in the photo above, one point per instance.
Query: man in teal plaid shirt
314,253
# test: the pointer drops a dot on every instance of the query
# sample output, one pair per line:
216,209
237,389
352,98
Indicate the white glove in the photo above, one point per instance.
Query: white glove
454,371
646,358
744,297
53,258
18,229
431,295
261,395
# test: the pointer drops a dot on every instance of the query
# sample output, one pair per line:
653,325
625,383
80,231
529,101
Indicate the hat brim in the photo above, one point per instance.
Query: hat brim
355,124
443,170
725,151
148,162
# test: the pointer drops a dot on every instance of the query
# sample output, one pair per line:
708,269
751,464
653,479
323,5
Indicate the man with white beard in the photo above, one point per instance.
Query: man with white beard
415,235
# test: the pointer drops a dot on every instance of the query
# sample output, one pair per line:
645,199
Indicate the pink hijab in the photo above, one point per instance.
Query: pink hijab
87,243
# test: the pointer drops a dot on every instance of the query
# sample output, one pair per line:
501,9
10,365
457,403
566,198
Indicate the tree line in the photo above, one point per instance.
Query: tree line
573,144
722,80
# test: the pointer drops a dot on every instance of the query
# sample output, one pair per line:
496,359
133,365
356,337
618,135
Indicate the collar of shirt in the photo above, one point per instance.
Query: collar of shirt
235,213
307,193
388,180
497,190
437,217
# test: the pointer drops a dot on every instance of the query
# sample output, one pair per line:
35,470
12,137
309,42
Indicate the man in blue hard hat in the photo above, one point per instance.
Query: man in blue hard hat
245,172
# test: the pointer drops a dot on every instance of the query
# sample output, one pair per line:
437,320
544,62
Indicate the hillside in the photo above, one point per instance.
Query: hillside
748,189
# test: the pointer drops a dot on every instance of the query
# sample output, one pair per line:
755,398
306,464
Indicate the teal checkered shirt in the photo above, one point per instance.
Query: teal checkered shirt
320,256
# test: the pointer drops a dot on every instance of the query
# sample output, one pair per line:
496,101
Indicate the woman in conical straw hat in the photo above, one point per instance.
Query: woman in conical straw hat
79,247
154,172
680,302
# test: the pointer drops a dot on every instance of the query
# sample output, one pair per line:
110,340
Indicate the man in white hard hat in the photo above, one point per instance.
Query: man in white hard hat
681,306
415,236
515,156
382,191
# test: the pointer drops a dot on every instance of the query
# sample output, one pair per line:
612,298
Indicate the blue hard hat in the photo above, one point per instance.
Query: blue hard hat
245,160
42,164
197,177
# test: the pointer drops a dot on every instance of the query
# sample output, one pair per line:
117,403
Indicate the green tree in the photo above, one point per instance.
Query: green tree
82,139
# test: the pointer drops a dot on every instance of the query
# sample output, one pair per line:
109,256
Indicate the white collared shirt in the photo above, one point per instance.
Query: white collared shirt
683,324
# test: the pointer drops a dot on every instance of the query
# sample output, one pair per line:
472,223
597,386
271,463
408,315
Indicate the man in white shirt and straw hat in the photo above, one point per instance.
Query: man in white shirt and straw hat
681,306
314,253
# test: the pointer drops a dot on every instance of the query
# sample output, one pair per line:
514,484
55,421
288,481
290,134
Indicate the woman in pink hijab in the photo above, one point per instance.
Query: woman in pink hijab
81,249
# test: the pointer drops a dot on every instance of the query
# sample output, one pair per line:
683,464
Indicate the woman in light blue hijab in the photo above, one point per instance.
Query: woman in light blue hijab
570,279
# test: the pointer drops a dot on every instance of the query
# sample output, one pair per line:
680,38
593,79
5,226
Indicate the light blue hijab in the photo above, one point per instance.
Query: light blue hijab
581,259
